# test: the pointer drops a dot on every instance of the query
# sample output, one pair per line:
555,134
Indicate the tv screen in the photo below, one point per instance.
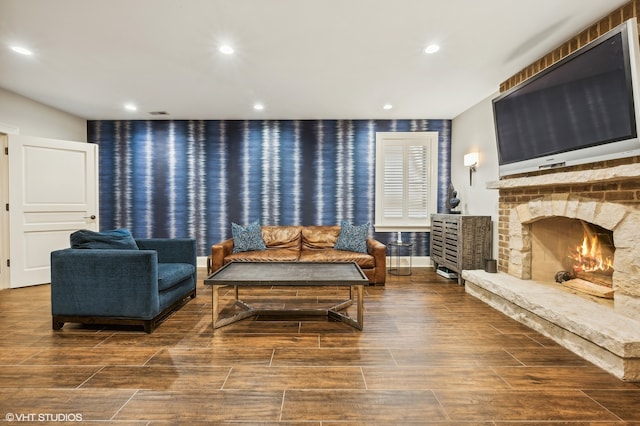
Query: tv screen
581,109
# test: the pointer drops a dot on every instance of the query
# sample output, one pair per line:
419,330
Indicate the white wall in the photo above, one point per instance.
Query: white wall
473,131
36,119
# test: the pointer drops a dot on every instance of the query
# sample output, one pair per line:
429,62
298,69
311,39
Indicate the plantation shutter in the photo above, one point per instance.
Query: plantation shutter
393,181
406,187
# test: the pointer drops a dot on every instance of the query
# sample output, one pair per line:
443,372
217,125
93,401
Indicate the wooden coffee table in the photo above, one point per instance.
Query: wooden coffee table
313,274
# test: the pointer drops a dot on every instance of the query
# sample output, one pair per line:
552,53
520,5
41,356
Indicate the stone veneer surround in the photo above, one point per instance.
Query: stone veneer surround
607,195
587,195
624,221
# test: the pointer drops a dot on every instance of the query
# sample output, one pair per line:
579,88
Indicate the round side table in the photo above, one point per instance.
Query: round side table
395,250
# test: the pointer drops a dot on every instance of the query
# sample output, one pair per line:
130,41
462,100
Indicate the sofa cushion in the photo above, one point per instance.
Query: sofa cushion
319,237
364,260
268,255
247,239
170,274
114,239
352,238
282,236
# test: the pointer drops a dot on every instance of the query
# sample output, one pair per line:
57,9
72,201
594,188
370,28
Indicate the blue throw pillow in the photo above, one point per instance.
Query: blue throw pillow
352,238
115,239
247,239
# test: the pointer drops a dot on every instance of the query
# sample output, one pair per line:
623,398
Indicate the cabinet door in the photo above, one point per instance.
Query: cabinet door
436,246
452,242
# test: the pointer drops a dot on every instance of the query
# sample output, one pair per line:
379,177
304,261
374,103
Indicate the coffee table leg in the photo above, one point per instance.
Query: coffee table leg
215,300
216,320
360,310
334,312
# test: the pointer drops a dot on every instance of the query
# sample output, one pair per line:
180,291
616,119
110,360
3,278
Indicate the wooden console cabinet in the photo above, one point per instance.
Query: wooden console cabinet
460,242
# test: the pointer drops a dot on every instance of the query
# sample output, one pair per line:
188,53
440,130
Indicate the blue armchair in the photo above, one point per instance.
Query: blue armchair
123,286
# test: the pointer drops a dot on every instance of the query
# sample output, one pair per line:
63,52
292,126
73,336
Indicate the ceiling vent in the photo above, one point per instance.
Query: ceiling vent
159,113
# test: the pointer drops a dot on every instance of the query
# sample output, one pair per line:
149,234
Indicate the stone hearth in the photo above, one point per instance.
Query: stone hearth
589,328
606,333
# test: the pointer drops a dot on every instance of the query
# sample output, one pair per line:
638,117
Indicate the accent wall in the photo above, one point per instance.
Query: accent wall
192,178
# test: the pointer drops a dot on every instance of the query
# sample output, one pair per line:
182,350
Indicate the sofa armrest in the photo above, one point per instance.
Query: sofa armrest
218,252
110,283
376,249
379,252
171,250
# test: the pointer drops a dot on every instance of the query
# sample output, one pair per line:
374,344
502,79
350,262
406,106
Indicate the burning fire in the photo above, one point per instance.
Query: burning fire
588,256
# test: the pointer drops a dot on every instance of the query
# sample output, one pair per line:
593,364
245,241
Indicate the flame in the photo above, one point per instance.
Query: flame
588,256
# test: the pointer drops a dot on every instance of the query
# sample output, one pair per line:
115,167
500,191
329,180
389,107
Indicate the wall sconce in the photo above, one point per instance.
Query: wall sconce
471,161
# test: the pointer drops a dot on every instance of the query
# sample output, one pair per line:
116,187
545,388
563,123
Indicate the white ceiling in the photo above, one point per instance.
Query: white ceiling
303,59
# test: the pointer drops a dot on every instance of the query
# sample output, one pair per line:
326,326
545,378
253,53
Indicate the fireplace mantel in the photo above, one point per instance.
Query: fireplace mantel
610,174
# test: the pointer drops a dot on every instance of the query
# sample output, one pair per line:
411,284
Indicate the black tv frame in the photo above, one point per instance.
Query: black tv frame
540,153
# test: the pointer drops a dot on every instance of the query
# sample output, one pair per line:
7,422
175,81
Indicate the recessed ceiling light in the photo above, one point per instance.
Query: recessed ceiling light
258,107
226,49
22,50
432,48
387,106
130,107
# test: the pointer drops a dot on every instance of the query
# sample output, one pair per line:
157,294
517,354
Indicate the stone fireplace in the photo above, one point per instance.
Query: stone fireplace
538,219
623,221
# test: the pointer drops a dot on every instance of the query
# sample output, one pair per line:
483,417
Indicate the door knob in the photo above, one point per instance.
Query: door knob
93,216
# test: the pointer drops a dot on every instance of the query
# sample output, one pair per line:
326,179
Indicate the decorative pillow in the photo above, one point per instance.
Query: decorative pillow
247,239
352,238
115,239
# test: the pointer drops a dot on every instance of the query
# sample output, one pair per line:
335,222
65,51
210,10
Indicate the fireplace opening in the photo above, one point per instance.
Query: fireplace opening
592,259
575,253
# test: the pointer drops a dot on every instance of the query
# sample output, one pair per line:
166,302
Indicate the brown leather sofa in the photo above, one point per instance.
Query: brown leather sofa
308,244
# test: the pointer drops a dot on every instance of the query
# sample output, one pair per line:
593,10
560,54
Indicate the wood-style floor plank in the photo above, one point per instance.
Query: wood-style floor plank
91,356
89,404
568,377
425,378
45,376
335,357
393,407
429,354
198,406
539,405
174,378
278,378
623,403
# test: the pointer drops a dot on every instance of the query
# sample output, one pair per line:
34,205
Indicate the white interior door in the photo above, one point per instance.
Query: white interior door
4,214
53,191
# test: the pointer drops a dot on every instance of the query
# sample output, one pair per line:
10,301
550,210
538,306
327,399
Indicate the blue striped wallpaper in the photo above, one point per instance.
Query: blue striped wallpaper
192,178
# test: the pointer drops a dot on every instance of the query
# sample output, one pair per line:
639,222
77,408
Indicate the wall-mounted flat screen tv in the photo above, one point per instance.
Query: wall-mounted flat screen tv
580,110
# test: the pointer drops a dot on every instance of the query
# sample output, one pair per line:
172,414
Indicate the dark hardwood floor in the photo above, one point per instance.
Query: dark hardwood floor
429,353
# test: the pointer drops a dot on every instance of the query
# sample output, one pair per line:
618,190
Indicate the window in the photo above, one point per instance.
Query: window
406,180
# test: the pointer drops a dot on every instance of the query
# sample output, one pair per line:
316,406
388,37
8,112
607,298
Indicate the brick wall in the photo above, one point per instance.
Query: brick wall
618,16
625,192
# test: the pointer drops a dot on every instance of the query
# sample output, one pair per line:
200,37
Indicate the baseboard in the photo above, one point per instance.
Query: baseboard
416,261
